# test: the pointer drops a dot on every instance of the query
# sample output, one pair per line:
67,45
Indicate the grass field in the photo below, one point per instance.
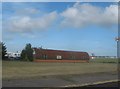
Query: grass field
18,70
104,60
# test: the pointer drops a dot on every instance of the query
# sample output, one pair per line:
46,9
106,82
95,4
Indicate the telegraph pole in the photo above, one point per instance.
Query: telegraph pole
118,54
118,47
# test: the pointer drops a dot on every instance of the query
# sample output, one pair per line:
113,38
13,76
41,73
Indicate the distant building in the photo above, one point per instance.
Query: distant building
94,57
50,54
12,55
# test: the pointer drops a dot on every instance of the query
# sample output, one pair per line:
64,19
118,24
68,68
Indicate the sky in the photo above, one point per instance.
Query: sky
77,26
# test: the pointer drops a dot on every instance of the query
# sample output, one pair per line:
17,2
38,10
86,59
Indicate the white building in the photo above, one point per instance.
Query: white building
13,55
94,57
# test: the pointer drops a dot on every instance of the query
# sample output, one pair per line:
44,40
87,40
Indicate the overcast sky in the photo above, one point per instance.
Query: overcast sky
89,27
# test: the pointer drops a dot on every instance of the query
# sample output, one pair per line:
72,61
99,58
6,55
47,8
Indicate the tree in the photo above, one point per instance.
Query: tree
23,54
27,53
4,50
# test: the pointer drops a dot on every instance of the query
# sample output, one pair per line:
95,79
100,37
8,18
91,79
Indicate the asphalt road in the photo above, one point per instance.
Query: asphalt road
108,85
65,81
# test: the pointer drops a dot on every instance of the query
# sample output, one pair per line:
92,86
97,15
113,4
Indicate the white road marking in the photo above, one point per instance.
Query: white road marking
94,83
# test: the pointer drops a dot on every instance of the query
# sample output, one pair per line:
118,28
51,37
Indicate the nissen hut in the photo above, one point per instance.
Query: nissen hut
51,55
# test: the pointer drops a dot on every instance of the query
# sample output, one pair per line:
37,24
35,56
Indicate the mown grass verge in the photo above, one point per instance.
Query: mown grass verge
22,70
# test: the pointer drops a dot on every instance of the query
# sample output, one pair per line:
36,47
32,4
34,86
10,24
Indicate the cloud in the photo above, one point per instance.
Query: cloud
28,11
81,15
25,24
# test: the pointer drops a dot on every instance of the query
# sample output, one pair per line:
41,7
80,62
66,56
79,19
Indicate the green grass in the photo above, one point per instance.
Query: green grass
19,70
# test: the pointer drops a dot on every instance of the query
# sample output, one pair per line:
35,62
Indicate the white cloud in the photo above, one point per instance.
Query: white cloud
27,24
27,11
81,15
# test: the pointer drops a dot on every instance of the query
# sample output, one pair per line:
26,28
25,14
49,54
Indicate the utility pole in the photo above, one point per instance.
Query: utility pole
118,47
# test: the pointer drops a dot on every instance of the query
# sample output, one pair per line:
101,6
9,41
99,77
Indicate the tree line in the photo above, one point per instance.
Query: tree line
26,54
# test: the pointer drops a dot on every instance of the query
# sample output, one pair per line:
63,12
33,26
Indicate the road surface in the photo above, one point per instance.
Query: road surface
64,81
